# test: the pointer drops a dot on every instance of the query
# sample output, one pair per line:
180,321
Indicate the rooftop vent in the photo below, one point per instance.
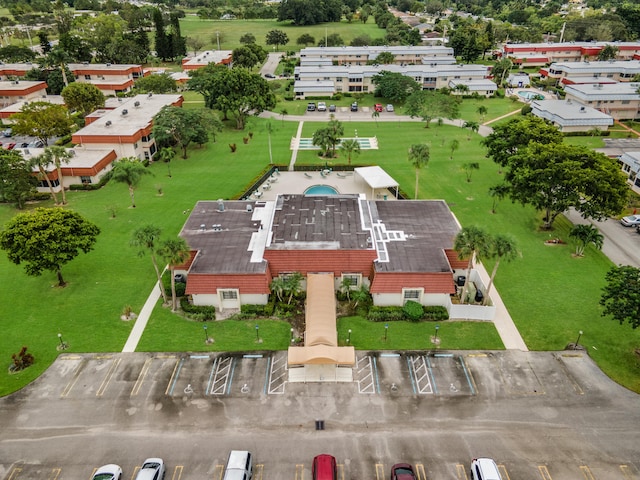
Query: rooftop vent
125,111
216,227
108,124
582,109
220,205
203,227
108,64
249,208
136,104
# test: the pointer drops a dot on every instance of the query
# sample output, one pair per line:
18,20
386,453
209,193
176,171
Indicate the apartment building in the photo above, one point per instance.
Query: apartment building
611,71
127,128
217,57
570,116
620,100
111,79
539,54
12,91
358,56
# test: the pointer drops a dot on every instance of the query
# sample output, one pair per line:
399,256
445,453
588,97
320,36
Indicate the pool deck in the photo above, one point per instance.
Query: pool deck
298,182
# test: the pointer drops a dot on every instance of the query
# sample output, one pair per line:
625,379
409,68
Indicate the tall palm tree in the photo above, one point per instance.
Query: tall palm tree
42,163
419,155
497,192
350,147
473,243
146,239
482,111
469,168
58,155
293,285
472,126
503,247
584,235
128,170
166,155
174,251
277,286
453,146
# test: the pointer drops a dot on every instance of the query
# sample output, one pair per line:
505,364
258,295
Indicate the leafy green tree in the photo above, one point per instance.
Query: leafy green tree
175,252
176,126
58,58
277,286
585,235
608,52
156,83
17,184
429,105
350,147
129,171
468,168
472,126
235,90
42,164
15,54
385,58
84,98
621,295
277,38
47,239
501,70
195,44
166,154
482,111
454,145
497,192
248,38
146,239
394,86
57,155
471,243
42,120
244,57
419,156
333,40
305,39
502,247
361,41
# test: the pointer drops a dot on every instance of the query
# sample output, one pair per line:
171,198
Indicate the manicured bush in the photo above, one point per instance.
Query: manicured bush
413,311
385,314
201,313
435,313
257,310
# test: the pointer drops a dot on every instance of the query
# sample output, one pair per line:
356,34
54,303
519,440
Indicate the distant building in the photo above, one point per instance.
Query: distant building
570,116
480,86
620,100
539,54
6,112
518,80
631,166
110,78
217,57
403,55
127,128
612,71
20,90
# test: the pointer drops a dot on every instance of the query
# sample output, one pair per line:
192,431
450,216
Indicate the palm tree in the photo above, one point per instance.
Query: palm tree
482,111
472,243
277,286
375,115
472,126
146,238
419,155
584,235
174,251
350,147
454,145
58,155
128,170
42,163
469,168
503,247
345,287
283,112
497,192
322,139
293,285
336,130
166,155
59,58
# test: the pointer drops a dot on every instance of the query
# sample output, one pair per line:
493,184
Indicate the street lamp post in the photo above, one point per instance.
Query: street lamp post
386,331
63,346
291,334
436,336
349,337
206,336
257,333
578,340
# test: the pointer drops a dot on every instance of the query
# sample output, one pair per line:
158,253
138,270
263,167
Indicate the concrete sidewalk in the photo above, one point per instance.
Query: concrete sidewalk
141,321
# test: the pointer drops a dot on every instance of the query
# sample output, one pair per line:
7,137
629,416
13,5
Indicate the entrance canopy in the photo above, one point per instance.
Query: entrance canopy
376,178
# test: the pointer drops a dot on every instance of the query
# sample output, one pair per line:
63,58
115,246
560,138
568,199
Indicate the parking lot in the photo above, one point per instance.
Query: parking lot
541,415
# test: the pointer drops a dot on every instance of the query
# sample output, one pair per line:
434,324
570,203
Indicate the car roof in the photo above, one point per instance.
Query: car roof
489,469
325,465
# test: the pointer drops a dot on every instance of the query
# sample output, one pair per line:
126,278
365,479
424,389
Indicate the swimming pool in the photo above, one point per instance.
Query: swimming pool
321,190
530,95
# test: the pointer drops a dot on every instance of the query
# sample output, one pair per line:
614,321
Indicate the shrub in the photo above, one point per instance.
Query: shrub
200,313
385,314
257,310
233,147
21,360
413,311
435,313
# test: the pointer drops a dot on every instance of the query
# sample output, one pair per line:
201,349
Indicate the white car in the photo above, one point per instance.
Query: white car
389,107
322,107
152,469
630,221
484,469
108,472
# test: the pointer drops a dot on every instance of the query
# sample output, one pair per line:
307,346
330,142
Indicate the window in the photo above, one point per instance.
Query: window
354,280
414,294
338,79
135,145
85,180
229,294
87,77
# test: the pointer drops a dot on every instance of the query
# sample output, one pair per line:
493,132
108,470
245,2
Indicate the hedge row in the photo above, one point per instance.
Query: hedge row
412,311
201,313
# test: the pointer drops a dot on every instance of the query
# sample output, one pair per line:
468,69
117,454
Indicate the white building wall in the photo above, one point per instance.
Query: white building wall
205,299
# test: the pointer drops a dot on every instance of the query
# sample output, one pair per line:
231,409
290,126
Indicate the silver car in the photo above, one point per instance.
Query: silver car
152,469
630,221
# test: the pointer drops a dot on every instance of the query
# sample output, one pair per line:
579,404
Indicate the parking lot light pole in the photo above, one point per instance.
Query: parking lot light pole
386,331
578,340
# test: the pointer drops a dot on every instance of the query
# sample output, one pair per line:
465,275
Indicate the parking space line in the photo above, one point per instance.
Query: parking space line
108,377
410,367
467,373
103,357
135,472
257,471
340,471
16,471
432,379
177,472
55,473
93,472
544,473
73,381
503,472
420,372
461,472
219,471
277,374
365,383
141,376
421,474
375,375
626,472
213,371
379,471
299,472
174,377
267,374
69,357
221,379
586,472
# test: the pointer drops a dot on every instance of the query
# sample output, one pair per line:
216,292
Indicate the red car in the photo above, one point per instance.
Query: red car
378,107
10,146
324,467
402,471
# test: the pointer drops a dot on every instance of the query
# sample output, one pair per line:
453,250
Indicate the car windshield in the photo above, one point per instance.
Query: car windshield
103,476
151,465
403,471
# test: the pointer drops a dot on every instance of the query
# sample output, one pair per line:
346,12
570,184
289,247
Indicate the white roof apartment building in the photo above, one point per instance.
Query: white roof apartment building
620,100
570,116
403,55
127,128
612,71
326,80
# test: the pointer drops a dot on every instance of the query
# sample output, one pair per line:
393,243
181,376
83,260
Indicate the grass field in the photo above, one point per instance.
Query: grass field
229,32
550,294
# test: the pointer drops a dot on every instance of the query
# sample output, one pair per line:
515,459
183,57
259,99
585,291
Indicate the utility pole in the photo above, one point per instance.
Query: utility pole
562,31
218,39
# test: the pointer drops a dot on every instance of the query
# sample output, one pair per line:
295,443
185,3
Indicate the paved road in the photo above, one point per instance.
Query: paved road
541,415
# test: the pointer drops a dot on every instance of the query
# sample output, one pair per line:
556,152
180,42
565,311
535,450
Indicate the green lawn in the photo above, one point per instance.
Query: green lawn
231,31
550,294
